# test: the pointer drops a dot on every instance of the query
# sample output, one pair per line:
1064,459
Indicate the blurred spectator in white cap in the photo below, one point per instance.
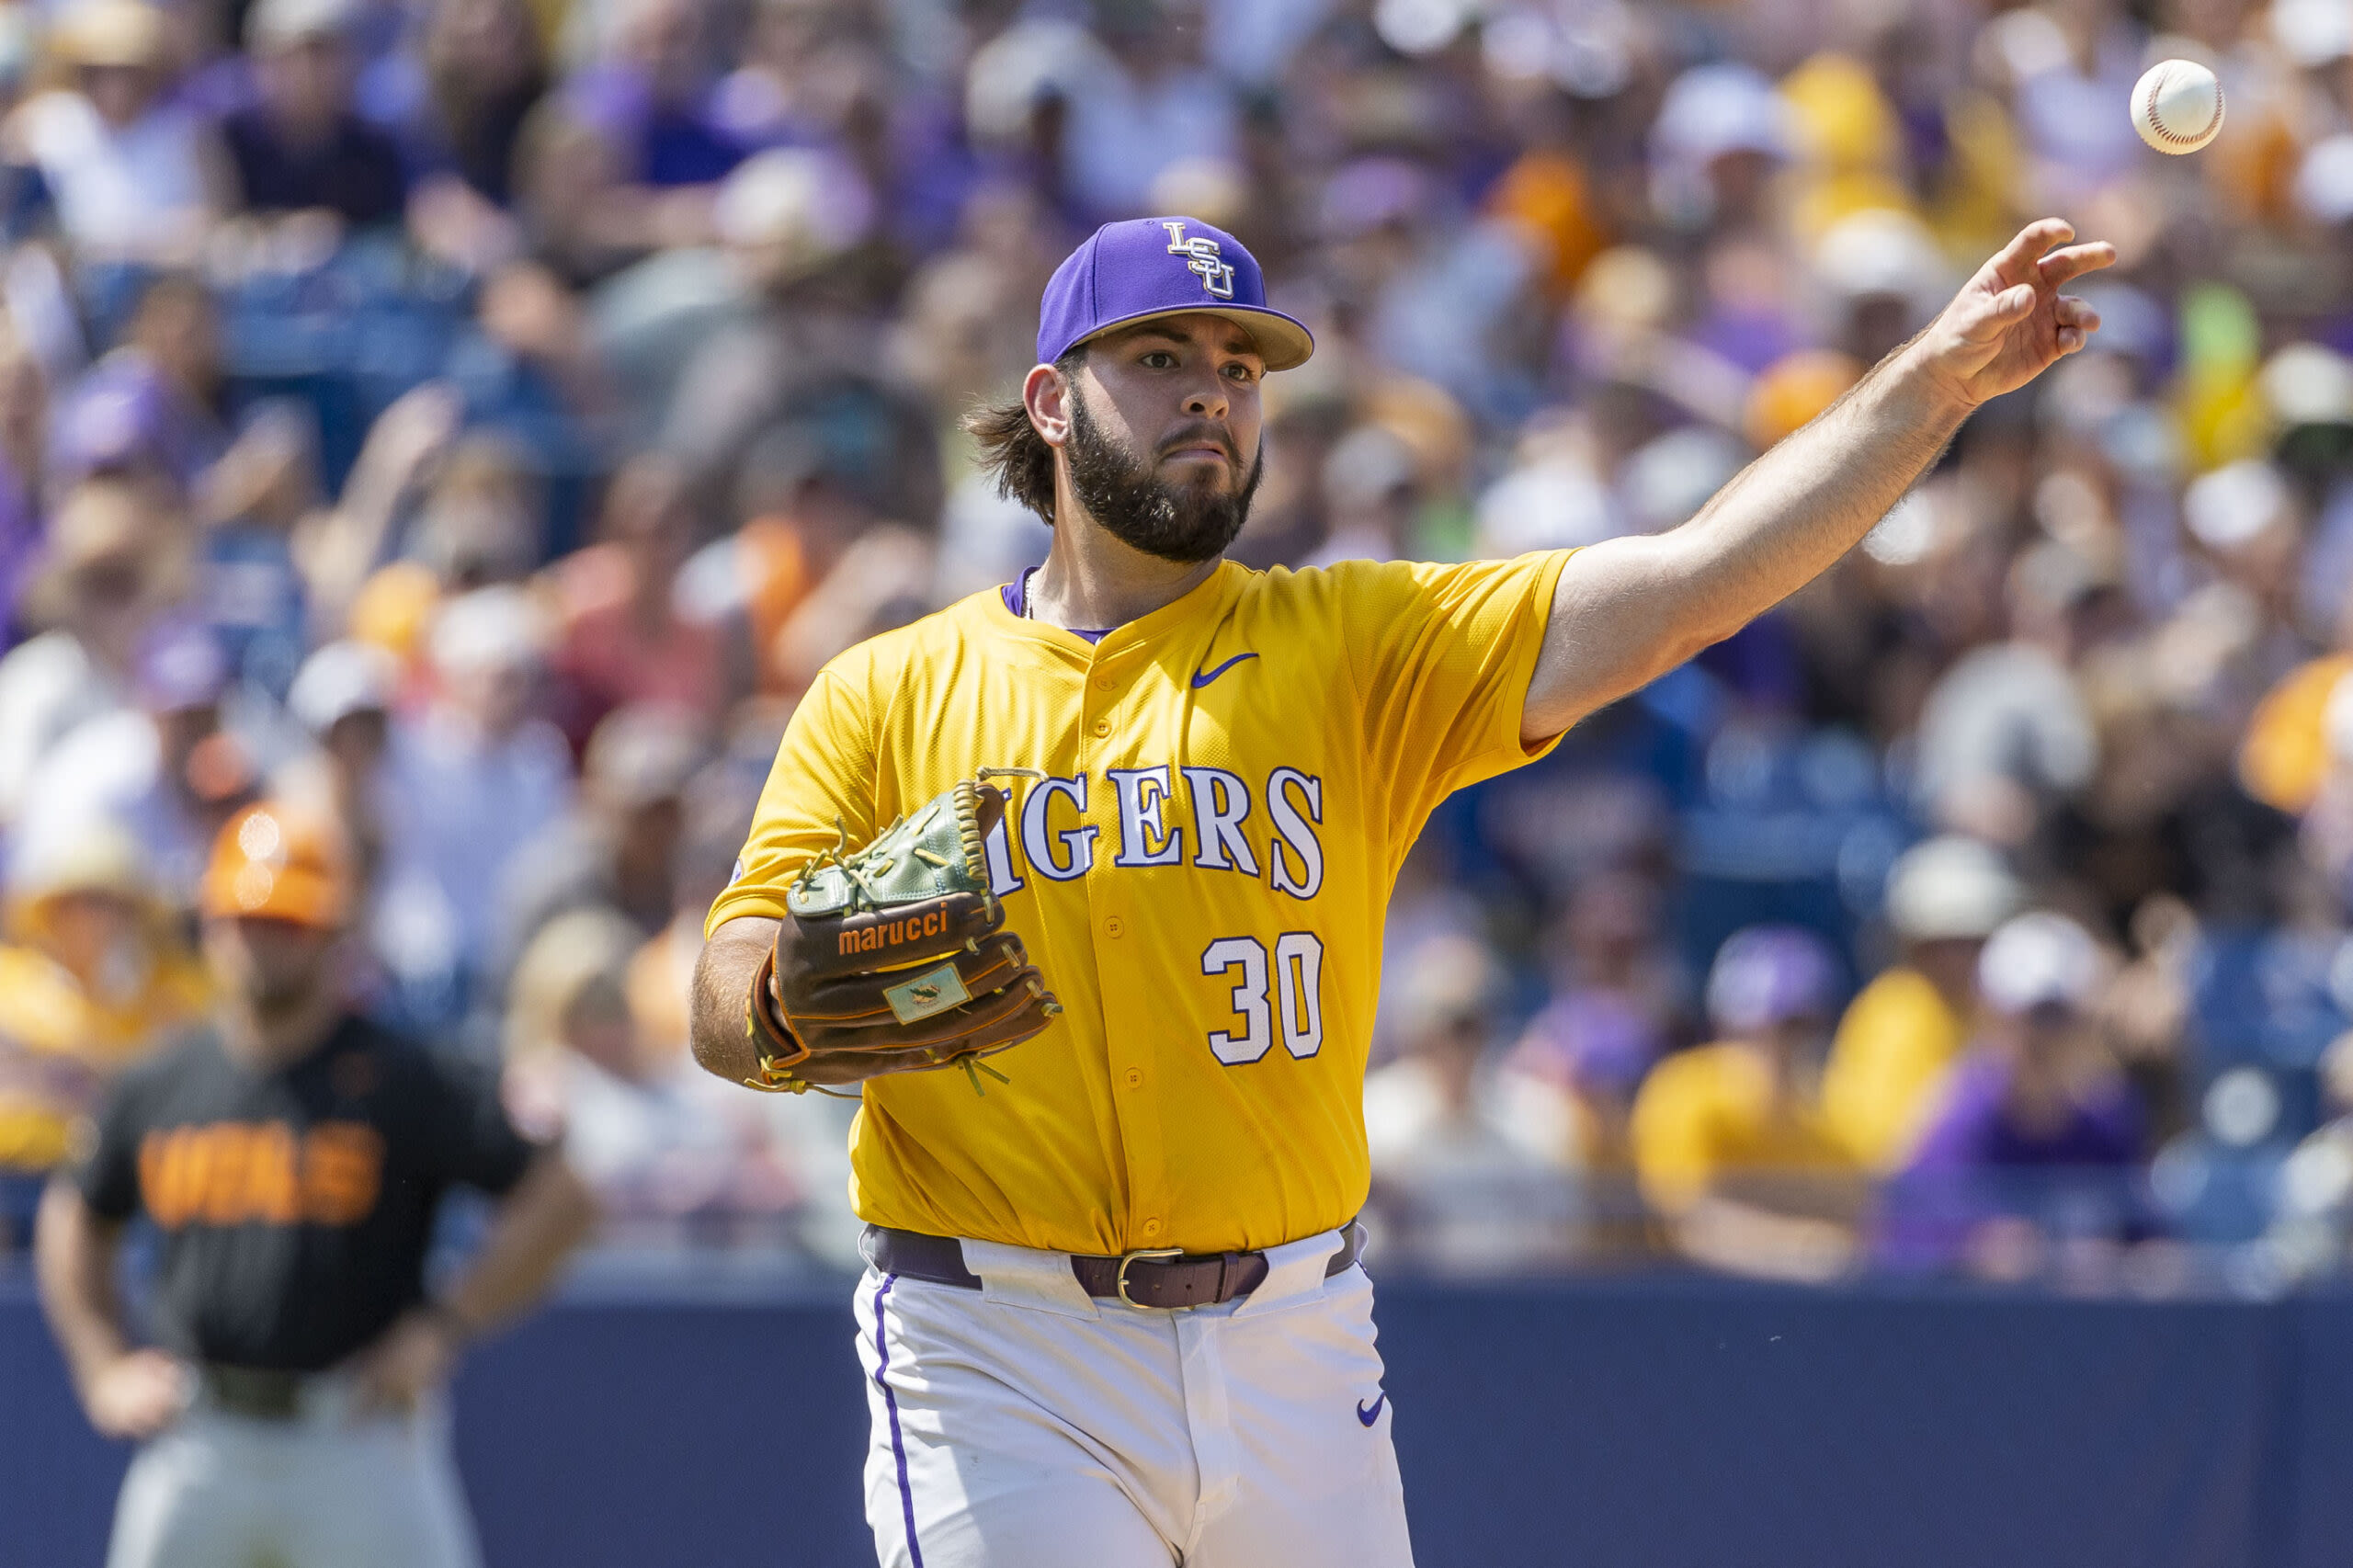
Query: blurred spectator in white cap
136,176
784,220
657,1138
1471,1168
1730,1143
1721,132
617,846
107,566
166,768
1886,279
1904,1028
93,975
2313,1228
300,148
469,781
343,698
2037,1130
2324,181
2005,733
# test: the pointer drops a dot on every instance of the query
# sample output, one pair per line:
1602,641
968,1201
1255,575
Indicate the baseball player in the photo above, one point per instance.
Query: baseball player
291,1157
1114,1316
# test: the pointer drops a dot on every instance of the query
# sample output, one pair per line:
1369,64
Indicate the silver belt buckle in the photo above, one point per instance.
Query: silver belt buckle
1121,1279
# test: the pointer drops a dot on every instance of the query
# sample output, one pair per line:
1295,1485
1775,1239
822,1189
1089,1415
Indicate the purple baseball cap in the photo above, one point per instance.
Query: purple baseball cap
1766,975
1141,267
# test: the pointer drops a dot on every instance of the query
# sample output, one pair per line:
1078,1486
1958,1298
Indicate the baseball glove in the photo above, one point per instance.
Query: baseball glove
896,953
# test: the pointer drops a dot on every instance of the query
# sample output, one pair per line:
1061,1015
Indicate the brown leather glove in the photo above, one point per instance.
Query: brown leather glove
893,958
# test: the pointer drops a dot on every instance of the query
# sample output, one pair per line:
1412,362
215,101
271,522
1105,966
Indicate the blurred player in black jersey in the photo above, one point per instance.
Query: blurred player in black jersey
292,1157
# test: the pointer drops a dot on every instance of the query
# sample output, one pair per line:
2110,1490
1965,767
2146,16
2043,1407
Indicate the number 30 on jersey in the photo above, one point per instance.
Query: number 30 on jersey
1297,1004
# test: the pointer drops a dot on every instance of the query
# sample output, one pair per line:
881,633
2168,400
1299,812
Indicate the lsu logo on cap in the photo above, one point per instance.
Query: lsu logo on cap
1203,257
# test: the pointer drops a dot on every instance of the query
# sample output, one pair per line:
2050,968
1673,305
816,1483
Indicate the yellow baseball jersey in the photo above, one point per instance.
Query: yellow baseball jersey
1232,783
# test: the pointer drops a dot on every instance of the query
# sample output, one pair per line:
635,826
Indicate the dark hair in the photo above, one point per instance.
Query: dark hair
1012,450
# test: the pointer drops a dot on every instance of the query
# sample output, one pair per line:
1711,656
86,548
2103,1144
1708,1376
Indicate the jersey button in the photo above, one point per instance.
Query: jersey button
1102,727
1115,926
1103,682
1152,1227
1135,1077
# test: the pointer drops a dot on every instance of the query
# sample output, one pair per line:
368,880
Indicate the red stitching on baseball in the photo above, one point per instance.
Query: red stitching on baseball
2159,126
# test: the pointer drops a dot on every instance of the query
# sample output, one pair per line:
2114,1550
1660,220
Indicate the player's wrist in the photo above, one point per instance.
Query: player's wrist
775,1050
455,1326
1923,384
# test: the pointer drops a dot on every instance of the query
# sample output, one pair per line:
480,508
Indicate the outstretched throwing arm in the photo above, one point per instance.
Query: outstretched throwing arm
1631,609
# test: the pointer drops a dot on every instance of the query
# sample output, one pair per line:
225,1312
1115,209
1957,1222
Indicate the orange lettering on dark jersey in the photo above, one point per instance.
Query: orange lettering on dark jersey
234,1173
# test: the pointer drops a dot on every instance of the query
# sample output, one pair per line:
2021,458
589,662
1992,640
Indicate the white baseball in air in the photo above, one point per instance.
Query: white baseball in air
2178,105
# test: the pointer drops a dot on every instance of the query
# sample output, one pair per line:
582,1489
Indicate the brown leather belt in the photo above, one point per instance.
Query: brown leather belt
1168,1279
256,1392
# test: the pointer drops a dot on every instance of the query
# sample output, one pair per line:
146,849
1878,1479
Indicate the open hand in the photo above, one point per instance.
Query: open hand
2009,323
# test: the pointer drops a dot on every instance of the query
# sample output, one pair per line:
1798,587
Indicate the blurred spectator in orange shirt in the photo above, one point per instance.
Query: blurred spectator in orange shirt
624,639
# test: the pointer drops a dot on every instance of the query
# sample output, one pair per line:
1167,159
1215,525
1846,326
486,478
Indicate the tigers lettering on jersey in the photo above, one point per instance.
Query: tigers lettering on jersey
1201,870
1151,831
237,1173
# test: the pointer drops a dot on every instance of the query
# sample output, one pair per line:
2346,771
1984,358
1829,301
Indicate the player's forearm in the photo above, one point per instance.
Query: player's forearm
549,1213
1628,610
1787,516
723,975
73,1260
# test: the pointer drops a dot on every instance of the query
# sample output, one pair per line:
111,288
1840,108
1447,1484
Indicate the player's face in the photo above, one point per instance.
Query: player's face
1160,417
277,966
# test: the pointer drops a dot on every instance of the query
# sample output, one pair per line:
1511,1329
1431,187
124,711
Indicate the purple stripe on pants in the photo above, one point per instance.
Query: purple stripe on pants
890,1402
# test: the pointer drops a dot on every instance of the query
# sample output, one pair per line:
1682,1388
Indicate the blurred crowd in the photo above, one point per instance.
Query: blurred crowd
480,418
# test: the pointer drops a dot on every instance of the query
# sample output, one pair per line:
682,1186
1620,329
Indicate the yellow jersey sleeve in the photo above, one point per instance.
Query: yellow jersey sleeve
1443,656
821,784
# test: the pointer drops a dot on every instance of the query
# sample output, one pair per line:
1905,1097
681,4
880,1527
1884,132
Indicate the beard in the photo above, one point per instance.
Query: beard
1185,523
276,998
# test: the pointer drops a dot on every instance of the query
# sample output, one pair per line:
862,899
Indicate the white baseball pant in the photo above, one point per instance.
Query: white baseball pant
329,1488
1025,1425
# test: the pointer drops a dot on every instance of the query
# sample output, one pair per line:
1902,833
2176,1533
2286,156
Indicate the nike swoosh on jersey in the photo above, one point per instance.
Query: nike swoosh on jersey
1373,1414
1202,678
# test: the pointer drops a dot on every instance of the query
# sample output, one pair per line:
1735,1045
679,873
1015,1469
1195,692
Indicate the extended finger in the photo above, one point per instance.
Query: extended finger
2069,311
1981,323
2064,266
2030,241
